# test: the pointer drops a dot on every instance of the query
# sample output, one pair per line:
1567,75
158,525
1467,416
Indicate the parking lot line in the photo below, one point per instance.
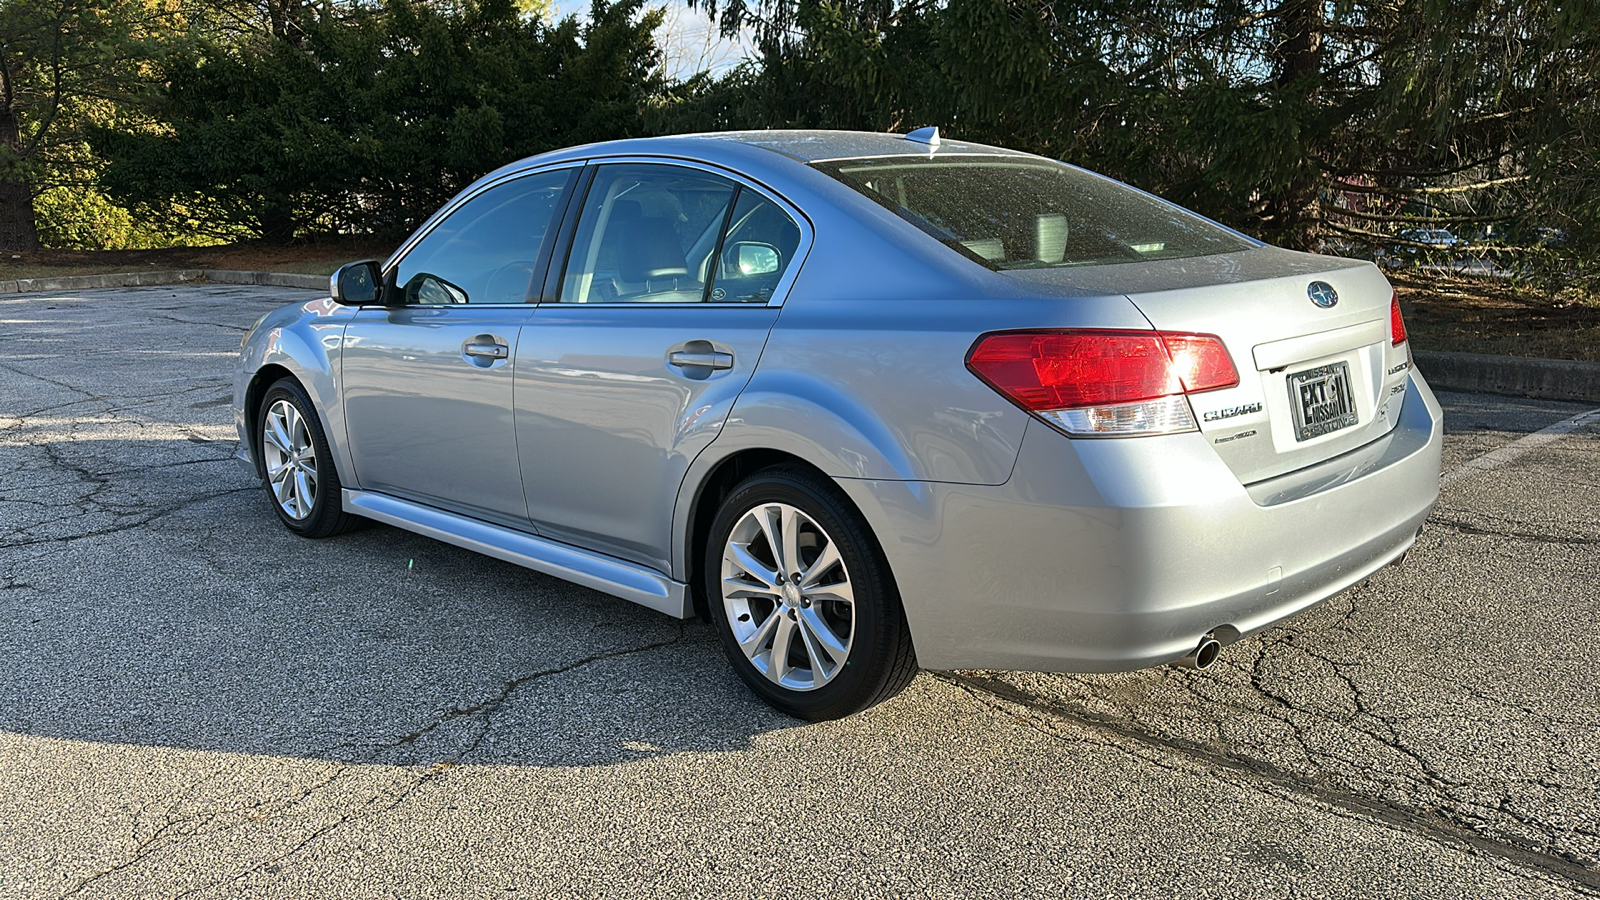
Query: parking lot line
1527,444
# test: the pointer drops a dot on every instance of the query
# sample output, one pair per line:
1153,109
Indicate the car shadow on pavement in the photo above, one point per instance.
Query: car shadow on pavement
185,616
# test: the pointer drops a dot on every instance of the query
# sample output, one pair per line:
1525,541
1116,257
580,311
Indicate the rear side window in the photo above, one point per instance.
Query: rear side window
646,235
1011,213
659,233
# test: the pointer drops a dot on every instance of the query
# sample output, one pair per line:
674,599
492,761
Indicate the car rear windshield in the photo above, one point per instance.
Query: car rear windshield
1018,213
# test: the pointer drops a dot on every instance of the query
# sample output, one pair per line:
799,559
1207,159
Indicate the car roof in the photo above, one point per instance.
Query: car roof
743,148
816,146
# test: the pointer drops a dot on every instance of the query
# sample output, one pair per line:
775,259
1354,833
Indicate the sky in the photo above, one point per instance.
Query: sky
689,39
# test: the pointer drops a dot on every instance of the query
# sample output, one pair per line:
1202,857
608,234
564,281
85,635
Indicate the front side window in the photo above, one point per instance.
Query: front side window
487,250
1018,213
668,234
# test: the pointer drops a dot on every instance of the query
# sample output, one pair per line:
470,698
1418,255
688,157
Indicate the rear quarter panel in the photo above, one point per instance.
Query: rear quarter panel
879,389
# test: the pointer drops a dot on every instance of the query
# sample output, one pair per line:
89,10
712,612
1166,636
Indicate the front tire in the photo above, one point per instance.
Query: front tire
803,602
296,464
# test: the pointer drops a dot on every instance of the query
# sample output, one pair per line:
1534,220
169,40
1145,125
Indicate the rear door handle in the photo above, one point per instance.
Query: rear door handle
715,359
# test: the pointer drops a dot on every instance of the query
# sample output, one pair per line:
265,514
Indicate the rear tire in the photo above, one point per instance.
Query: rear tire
828,643
296,464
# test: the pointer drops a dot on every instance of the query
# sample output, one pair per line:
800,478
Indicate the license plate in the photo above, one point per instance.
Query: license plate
1321,400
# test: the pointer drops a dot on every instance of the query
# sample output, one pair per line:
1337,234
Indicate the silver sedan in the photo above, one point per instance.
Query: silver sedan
866,402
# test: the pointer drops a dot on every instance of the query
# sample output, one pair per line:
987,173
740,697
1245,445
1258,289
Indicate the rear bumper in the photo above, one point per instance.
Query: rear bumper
1119,554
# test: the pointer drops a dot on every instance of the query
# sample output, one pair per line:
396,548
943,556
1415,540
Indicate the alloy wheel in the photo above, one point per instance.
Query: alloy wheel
291,459
788,598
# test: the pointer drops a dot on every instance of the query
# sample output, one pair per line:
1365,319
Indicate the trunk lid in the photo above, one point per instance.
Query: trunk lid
1315,380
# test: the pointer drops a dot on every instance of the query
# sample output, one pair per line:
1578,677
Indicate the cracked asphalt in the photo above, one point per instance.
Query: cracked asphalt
194,703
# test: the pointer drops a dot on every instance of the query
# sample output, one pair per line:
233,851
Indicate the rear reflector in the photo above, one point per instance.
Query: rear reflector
1164,415
1397,325
1118,382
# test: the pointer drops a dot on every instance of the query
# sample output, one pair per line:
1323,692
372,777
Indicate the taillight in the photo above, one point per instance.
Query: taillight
1397,325
1104,382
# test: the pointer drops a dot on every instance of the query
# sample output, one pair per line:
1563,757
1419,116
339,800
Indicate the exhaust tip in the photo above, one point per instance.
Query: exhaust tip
1203,655
1405,554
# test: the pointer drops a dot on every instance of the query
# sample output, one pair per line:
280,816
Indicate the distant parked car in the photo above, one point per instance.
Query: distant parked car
864,401
1550,237
1435,237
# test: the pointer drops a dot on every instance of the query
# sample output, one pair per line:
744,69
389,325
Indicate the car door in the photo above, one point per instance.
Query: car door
644,339
428,377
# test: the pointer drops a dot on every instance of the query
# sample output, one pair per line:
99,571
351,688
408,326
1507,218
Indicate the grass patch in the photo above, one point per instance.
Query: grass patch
1467,314
300,259
16,271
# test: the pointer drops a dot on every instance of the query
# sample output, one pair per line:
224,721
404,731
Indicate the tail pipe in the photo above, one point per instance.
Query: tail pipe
1400,560
1203,655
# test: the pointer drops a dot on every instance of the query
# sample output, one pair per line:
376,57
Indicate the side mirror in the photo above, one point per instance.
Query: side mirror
356,284
749,258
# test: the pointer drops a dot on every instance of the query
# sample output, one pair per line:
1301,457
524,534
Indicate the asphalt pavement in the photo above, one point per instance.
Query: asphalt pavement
195,703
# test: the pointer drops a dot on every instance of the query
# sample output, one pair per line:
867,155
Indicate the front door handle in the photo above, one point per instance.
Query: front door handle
486,350
714,359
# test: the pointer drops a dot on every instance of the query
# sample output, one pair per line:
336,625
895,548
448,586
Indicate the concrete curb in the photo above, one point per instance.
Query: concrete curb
168,276
1544,379
270,279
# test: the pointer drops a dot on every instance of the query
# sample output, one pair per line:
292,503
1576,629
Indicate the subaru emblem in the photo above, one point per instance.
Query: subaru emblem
1322,294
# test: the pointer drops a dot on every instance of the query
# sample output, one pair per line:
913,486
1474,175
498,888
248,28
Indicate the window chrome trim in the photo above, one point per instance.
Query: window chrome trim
780,291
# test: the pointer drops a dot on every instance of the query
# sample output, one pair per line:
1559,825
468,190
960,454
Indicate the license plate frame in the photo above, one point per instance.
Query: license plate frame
1322,400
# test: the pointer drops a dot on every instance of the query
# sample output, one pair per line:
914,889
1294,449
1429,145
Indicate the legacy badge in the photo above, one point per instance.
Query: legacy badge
1322,294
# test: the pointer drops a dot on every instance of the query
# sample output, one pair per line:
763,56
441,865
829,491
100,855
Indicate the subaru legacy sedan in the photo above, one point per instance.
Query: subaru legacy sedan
867,403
